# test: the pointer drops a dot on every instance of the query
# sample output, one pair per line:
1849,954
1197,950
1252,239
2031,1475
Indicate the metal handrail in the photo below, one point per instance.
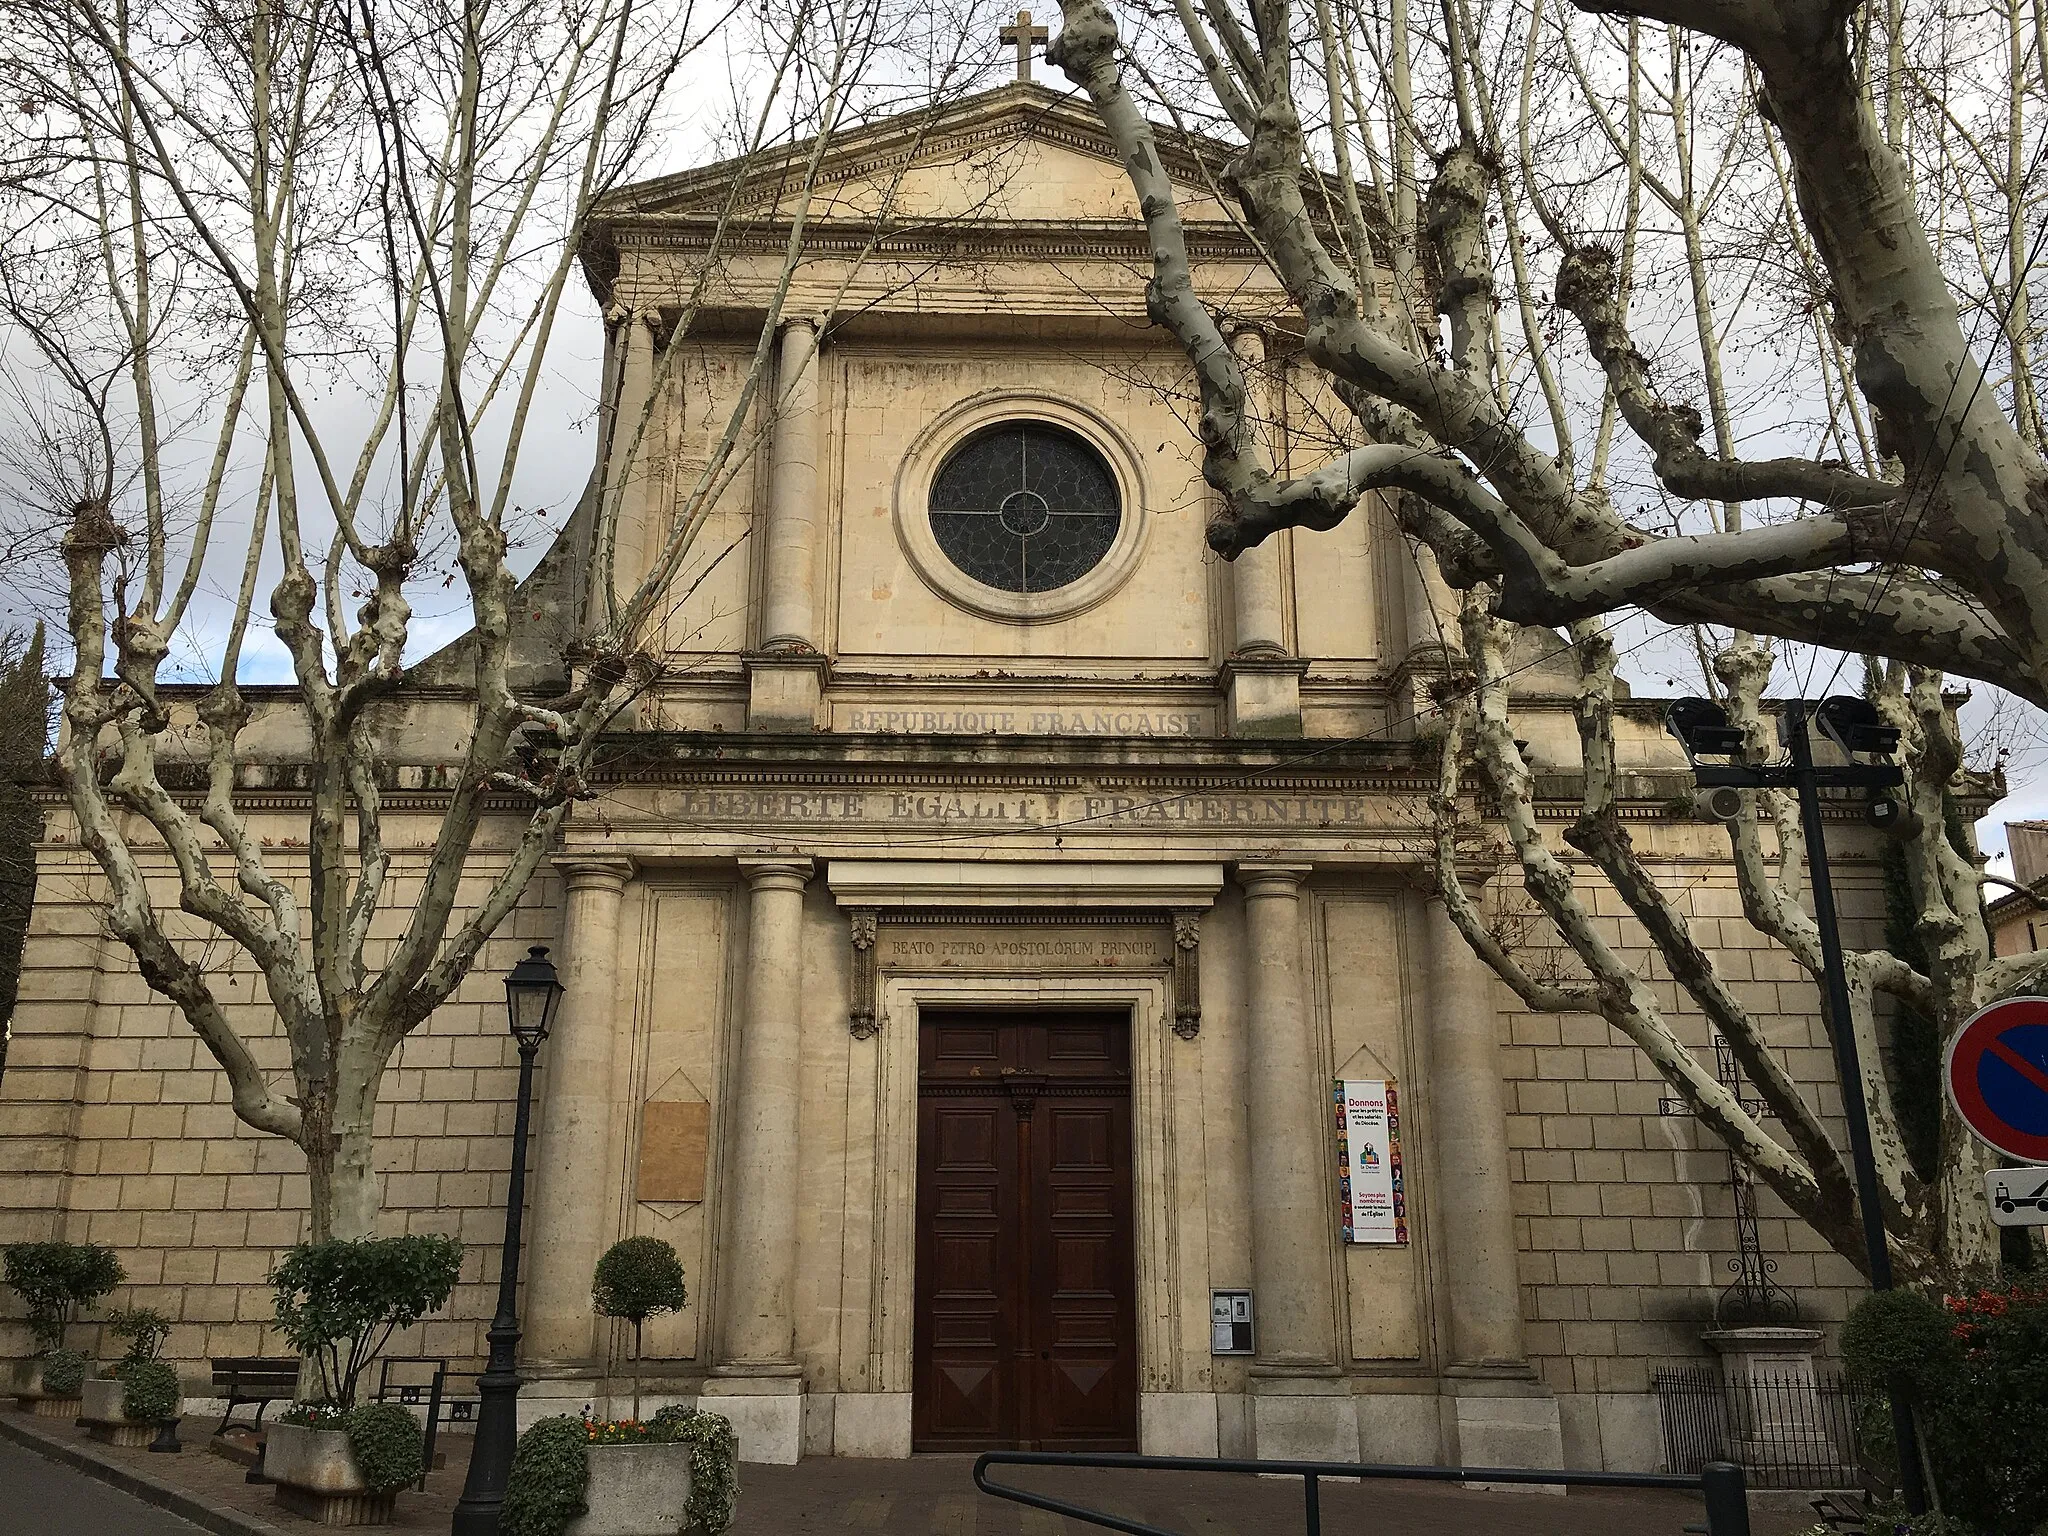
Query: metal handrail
1722,1483
436,1398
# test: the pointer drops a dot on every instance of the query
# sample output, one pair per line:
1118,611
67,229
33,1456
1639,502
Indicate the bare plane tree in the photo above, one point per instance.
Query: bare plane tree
334,245
1445,196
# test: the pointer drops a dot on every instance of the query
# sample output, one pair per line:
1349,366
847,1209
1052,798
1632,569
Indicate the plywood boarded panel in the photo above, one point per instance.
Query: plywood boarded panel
675,1141
1363,970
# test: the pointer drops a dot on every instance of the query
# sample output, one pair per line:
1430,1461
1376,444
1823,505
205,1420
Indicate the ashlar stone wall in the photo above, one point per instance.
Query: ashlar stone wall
1625,1215
116,1127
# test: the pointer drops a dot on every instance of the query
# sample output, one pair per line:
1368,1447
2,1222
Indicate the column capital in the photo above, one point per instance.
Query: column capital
1473,875
584,872
1248,340
789,323
1260,879
771,873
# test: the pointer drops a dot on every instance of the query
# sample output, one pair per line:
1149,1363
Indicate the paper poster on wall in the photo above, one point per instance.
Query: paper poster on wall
1371,1189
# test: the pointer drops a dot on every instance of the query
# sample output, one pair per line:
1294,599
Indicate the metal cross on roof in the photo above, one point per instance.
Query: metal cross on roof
1753,1297
1023,34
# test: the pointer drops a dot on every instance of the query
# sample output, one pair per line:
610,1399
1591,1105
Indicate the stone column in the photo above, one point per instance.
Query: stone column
570,1165
756,1359
1301,1406
785,676
1495,1412
1262,682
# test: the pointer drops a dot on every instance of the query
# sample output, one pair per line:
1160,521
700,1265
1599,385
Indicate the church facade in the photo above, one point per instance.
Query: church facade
1000,956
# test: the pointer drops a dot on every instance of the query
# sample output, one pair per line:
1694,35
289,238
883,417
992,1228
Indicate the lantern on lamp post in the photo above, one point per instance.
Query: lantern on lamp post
532,994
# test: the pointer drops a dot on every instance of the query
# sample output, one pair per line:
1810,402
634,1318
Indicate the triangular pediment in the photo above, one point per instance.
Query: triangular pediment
1021,154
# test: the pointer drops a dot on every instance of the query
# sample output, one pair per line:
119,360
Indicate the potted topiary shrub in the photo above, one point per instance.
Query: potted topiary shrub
54,1280
678,1472
636,1279
334,1460
127,1406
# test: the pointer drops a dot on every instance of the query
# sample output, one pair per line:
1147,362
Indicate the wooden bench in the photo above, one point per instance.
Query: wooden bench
255,1379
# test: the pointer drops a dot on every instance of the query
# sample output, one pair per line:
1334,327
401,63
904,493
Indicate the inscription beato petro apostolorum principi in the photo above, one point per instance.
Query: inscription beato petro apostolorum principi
913,947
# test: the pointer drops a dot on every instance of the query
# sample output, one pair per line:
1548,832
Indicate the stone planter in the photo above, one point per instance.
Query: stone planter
28,1389
317,1477
104,1420
636,1490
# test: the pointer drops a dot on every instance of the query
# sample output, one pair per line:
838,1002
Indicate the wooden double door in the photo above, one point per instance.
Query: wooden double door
1026,1332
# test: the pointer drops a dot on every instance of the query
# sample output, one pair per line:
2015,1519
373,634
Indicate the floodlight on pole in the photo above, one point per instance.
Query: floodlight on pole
1704,730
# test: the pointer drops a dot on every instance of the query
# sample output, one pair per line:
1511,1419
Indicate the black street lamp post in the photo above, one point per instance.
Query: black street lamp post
1854,725
531,993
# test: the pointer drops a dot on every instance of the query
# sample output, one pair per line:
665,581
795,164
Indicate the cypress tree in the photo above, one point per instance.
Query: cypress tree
24,742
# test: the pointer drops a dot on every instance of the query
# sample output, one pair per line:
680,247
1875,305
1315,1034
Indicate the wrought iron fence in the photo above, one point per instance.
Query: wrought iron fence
1789,1431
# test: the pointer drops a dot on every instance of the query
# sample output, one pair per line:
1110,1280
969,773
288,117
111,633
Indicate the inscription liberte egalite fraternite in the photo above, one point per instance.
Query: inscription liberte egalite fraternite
1189,812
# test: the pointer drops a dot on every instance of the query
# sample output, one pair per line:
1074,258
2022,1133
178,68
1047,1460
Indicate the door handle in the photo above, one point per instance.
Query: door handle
1045,1354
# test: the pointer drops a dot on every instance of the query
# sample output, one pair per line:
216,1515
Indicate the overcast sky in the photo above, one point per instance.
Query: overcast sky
556,462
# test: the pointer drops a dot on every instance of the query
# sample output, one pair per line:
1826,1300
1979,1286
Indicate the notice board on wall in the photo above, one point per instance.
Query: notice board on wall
1371,1189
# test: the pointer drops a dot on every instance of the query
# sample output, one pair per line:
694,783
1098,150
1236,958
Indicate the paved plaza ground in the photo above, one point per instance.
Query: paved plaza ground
54,1482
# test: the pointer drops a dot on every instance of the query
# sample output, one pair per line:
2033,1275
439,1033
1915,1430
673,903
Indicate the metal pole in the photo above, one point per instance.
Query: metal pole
1854,1107
1727,1494
1312,1498
497,1416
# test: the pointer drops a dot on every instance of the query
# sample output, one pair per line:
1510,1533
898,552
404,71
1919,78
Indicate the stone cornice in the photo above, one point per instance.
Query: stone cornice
1120,241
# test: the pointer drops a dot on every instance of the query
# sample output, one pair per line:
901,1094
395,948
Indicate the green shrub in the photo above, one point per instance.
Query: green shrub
550,1470
714,1465
637,1278
339,1302
389,1447
63,1372
149,1389
55,1279
1977,1369
144,1328
1902,1334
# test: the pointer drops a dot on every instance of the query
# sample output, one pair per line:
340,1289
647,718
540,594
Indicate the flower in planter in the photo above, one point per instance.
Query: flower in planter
313,1415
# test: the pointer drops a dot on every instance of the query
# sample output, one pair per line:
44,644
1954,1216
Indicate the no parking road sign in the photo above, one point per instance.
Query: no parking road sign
1997,1075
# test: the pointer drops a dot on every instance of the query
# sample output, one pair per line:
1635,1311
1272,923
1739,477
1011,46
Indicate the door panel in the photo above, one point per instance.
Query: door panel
968,1175
1026,1329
